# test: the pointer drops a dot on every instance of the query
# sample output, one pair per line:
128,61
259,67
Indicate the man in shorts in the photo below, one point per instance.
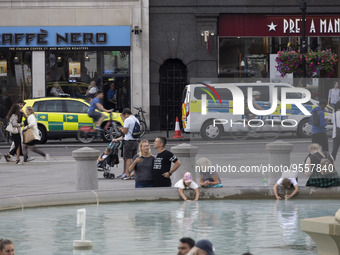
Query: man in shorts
130,143
97,117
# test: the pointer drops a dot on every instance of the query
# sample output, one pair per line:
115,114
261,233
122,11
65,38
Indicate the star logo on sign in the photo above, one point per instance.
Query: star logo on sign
272,27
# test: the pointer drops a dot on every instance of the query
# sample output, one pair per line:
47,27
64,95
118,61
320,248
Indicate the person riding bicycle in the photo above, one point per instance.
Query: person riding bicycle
97,116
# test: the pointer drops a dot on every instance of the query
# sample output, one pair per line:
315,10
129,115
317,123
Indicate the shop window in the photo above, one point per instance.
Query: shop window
73,70
15,78
116,62
243,57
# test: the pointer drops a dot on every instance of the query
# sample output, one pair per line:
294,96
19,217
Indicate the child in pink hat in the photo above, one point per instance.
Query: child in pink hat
187,183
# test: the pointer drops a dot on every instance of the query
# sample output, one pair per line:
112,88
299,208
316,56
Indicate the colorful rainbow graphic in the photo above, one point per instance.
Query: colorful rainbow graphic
213,90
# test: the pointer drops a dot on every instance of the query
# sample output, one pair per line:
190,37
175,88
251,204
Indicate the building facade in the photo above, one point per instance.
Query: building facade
197,40
70,43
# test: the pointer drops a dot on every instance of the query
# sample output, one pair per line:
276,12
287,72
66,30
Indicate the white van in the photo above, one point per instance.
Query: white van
220,106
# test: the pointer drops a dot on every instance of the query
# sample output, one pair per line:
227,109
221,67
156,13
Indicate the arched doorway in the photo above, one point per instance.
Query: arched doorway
173,79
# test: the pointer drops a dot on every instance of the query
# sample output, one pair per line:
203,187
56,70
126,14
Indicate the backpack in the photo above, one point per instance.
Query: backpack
315,119
326,165
136,130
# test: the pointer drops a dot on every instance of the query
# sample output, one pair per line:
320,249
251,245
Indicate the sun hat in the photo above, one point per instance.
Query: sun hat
206,246
187,177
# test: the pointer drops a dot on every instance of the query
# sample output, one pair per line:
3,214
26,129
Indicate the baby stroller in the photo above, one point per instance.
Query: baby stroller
111,160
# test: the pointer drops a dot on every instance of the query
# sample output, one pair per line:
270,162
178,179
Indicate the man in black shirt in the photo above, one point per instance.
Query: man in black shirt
162,164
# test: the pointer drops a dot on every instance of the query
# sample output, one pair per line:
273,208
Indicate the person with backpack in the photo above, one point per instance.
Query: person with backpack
319,166
131,131
319,123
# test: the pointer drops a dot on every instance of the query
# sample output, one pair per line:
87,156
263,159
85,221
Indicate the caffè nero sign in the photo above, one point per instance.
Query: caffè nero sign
89,36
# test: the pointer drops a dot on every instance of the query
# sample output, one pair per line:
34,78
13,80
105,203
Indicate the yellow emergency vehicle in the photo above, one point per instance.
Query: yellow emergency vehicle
61,117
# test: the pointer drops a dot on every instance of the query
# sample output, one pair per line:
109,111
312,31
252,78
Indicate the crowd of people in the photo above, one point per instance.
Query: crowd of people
319,163
188,246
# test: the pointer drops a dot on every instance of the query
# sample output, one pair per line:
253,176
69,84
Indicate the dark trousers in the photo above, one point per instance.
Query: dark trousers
336,144
321,138
17,143
144,184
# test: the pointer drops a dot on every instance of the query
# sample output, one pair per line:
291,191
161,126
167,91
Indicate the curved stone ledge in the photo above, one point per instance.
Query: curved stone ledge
154,194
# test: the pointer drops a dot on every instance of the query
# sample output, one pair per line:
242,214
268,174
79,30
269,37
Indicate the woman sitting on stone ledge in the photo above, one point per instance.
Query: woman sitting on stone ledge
209,178
320,167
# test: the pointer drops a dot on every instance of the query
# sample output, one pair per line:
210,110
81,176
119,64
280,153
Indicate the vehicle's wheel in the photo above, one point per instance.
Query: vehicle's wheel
304,128
42,134
211,132
86,137
112,176
111,132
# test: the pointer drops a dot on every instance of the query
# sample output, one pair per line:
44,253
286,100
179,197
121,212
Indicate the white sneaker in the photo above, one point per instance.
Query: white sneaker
122,176
47,157
30,159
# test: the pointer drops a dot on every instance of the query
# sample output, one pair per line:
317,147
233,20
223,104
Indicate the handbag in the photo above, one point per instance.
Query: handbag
11,129
28,136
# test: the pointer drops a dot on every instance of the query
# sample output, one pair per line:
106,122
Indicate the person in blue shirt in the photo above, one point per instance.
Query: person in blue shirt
319,132
97,117
111,96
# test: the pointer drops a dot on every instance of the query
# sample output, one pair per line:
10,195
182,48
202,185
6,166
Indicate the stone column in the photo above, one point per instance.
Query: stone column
86,168
38,73
325,232
186,153
279,154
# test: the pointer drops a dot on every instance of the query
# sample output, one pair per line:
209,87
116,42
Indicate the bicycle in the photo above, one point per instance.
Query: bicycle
141,118
267,128
87,134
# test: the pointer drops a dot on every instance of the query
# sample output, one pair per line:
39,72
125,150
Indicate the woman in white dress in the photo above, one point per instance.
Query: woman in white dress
32,123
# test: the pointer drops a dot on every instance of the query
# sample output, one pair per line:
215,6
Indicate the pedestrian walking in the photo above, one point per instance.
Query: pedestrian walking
334,95
13,129
32,124
336,130
22,115
319,123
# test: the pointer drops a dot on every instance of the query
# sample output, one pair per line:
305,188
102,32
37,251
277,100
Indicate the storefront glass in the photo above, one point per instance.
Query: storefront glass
15,78
74,70
249,57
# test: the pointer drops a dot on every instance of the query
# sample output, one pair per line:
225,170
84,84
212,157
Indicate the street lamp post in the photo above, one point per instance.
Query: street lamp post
303,7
